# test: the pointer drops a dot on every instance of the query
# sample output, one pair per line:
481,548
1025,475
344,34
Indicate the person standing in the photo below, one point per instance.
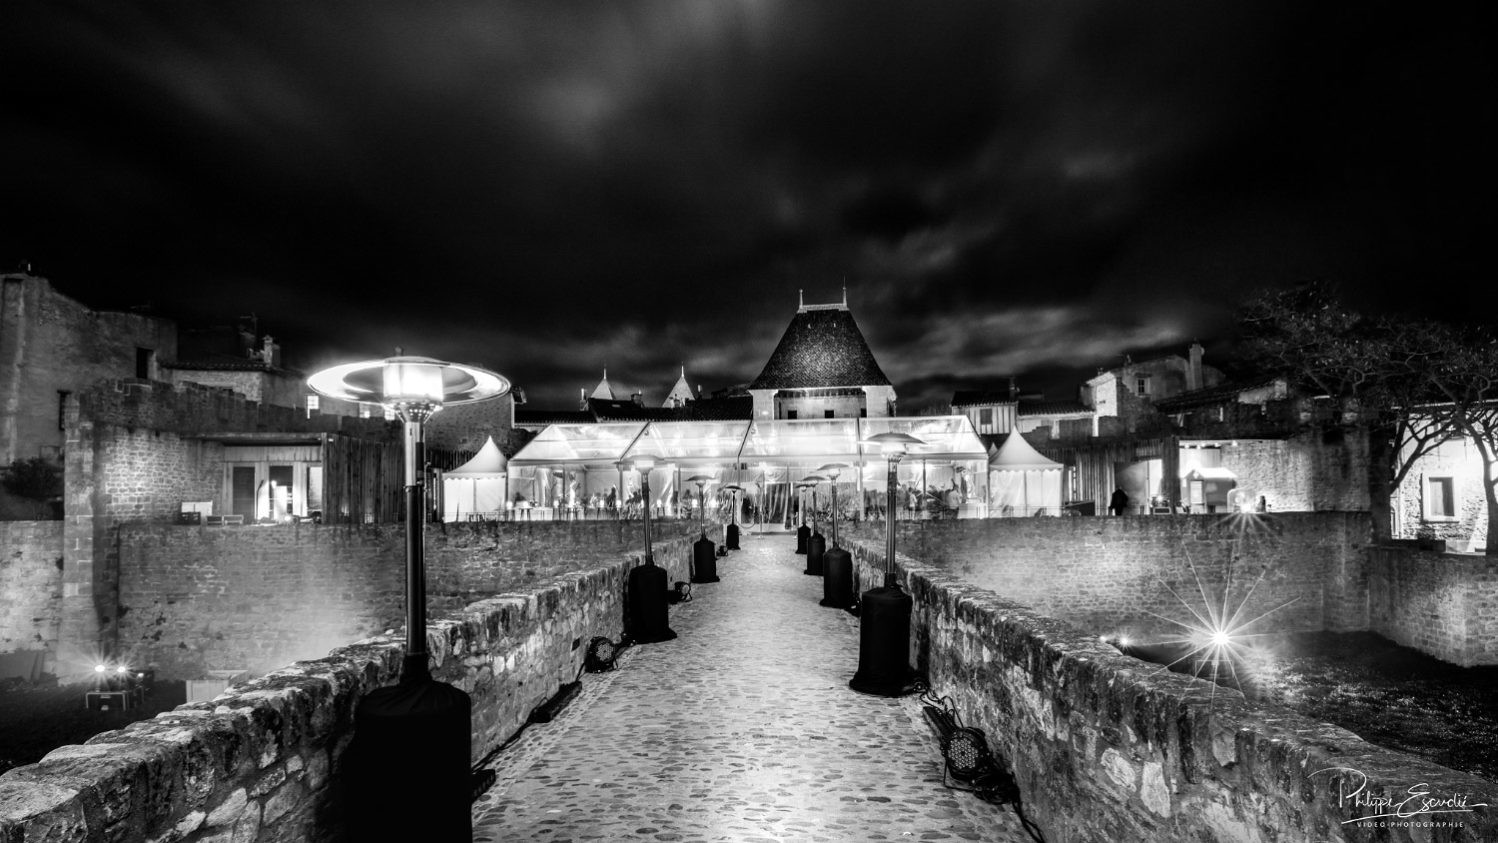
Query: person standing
1119,503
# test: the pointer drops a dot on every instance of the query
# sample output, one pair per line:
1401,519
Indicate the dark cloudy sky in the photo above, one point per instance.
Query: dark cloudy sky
548,188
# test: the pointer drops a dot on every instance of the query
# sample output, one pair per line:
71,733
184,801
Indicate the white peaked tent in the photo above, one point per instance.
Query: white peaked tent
476,487
1021,481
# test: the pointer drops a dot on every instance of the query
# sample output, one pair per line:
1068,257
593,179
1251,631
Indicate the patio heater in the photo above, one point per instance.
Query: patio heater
837,564
647,619
884,613
816,545
803,532
704,552
731,532
411,739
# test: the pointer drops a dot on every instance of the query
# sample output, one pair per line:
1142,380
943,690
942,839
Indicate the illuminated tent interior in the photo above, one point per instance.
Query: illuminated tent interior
573,468
475,489
1022,481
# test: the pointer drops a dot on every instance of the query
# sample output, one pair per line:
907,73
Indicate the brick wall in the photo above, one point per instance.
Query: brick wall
193,599
260,762
1109,576
1106,748
30,585
1446,606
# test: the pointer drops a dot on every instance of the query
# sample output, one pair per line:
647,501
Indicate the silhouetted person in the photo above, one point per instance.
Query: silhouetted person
1119,503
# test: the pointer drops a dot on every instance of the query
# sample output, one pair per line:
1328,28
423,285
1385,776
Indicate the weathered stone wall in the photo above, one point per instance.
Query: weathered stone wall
1459,460
30,585
1117,576
1443,605
193,599
50,343
1314,470
1106,748
260,762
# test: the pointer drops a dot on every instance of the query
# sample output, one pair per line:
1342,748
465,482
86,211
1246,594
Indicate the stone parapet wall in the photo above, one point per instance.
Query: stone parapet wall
1117,576
1106,748
193,599
1444,605
195,409
261,762
30,585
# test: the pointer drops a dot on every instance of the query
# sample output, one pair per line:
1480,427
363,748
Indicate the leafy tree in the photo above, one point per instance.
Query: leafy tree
37,479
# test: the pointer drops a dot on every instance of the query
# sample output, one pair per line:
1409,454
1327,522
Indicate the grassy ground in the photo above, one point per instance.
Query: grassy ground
39,717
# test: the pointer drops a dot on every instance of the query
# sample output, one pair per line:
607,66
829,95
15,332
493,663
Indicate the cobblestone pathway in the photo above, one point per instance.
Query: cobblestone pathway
742,729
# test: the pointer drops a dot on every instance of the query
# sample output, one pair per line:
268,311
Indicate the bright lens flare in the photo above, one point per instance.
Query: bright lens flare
1220,638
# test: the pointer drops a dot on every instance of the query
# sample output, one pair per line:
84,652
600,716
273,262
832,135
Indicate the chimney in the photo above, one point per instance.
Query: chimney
270,353
638,398
1194,369
1013,389
582,398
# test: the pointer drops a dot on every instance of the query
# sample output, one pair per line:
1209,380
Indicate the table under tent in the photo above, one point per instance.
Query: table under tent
583,470
476,490
1022,481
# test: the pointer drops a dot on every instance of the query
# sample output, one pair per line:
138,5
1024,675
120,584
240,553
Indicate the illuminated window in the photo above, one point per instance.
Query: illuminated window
314,402
1440,498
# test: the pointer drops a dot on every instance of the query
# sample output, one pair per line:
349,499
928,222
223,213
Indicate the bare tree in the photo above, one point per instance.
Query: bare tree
1376,372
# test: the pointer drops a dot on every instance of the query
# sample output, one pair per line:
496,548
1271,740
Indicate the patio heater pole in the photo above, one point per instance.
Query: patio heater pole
816,545
411,739
647,619
884,613
731,534
704,552
837,564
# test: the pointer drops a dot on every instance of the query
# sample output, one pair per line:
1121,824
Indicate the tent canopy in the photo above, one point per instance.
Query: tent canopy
1016,454
774,443
1022,481
476,488
488,462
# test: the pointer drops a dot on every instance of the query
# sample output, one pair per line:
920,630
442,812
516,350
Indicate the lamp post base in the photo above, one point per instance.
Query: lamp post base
704,560
419,726
816,551
884,642
837,579
648,617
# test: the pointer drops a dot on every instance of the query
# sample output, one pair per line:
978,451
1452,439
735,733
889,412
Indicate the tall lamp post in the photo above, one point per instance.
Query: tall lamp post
731,533
884,612
411,740
648,621
837,564
816,544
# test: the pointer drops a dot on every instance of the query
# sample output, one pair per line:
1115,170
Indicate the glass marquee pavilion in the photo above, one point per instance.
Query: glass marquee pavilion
583,470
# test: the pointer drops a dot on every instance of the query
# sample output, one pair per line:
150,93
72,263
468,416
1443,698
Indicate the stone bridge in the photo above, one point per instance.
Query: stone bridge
744,729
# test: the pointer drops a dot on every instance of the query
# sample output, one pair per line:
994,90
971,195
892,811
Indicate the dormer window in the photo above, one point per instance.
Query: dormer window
1142,386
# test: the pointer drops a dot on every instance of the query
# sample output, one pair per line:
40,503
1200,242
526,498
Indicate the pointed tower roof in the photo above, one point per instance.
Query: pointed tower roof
822,347
681,393
603,390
